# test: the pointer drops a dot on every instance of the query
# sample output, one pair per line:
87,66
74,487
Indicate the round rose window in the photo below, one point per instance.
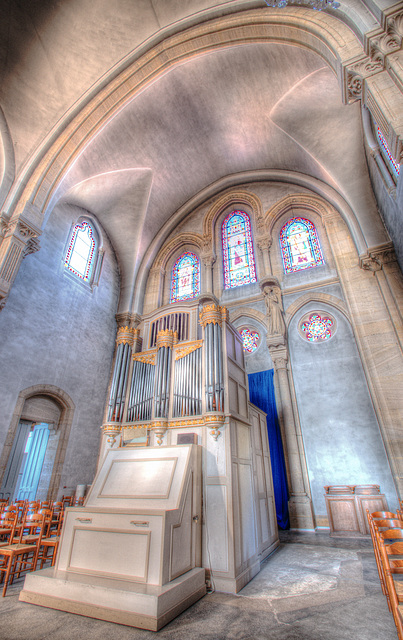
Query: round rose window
317,327
250,339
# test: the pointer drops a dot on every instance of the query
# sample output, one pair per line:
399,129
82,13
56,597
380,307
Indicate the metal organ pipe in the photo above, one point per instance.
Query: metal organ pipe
115,378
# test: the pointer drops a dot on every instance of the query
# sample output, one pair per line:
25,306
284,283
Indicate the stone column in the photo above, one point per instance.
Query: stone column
208,279
264,243
300,504
17,240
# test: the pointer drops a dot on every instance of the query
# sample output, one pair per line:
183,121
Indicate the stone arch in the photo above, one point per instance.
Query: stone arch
67,407
178,241
249,313
224,201
321,298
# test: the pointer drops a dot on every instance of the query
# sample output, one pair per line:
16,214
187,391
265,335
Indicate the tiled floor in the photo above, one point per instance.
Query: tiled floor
312,588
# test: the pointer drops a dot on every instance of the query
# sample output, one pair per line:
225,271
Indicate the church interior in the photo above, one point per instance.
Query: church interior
201,291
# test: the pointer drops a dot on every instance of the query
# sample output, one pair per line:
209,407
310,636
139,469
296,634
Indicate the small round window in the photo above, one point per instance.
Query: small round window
250,339
317,327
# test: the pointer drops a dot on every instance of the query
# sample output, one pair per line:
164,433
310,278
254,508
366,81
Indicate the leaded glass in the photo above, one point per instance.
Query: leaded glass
239,261
81,251
384,146
317,328
185,278
300,246
250,339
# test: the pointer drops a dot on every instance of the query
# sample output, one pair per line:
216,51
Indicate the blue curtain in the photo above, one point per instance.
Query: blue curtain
261,391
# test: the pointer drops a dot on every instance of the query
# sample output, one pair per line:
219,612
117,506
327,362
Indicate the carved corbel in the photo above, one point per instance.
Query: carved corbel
355,76
377,257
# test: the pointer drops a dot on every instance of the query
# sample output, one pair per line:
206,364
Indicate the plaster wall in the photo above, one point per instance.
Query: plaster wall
56,331
343,444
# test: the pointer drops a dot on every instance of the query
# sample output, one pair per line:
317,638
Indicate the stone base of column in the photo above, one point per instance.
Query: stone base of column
301,514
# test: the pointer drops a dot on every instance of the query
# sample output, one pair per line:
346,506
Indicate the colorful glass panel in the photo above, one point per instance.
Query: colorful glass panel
250,339
300,246
239,261
384,146
81,249
317,328
185,278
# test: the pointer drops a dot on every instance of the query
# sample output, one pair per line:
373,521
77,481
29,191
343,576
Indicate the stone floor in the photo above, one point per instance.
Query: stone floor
312,588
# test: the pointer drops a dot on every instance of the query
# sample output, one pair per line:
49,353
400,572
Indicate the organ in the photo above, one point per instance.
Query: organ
177,374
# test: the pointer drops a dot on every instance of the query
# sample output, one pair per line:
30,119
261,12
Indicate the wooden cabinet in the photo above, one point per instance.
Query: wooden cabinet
346,507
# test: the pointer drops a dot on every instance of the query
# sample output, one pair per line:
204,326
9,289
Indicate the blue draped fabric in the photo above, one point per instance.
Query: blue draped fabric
261,391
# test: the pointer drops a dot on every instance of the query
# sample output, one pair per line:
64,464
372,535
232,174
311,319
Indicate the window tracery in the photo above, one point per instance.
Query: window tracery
250,339
185,284
238,255
81,251
300,246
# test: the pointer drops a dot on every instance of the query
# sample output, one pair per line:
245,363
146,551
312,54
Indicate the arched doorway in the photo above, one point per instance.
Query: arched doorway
33,456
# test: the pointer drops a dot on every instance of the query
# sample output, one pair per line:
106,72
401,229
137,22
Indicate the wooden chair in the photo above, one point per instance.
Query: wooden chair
20,556
8,523
51,542
391,566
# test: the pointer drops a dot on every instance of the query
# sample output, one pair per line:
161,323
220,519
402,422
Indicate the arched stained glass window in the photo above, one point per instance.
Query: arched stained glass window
300,246
386,153
185,277
239,261
81,251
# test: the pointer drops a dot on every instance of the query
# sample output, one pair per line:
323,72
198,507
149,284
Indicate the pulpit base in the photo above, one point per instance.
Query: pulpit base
129,603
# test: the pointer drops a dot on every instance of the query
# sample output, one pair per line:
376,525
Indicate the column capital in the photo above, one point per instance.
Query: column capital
376,257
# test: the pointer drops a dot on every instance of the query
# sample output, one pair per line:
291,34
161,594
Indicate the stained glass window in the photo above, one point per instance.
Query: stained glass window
384,147
300,245
185,277
239,261
80,253
317,328
250,339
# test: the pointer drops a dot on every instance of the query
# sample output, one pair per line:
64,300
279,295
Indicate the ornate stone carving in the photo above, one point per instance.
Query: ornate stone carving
128,319
356,74
184,349
376,257
33,245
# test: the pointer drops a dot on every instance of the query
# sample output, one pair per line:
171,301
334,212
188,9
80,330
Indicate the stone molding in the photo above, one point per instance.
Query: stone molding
317,297
171,246
229,198
248,312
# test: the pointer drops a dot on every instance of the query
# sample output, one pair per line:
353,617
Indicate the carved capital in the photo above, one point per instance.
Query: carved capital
264,242
208,260
279,355
376,257
127,319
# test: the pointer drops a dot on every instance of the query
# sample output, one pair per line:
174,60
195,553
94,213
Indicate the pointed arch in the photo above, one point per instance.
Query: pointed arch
299,243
